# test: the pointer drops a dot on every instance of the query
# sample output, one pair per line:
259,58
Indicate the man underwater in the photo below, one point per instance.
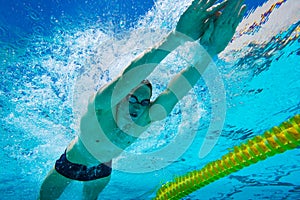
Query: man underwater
121,111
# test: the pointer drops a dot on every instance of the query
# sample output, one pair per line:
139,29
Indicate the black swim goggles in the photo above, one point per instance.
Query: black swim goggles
133,99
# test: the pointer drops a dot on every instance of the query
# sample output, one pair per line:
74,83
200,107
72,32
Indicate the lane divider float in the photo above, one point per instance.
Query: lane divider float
277,140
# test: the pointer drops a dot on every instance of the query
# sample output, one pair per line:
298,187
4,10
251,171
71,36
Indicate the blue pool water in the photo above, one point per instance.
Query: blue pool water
54,55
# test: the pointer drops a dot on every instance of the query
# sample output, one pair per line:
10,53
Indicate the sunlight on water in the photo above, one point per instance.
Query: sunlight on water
264,23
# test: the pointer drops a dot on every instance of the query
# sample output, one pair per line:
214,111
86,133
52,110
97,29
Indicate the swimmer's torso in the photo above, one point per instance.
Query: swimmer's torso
103,135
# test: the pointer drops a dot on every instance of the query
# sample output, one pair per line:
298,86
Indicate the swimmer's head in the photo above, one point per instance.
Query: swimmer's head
139,99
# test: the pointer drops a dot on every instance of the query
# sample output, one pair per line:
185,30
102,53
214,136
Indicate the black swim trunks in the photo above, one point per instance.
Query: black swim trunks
81,172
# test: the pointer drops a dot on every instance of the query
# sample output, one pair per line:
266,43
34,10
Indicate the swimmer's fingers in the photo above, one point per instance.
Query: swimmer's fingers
207,35
240,15
232,12
231,16
236,17
221,30
193,22
212,9
198,4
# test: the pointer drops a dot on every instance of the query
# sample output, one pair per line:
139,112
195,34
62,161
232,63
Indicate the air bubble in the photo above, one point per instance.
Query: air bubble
122,24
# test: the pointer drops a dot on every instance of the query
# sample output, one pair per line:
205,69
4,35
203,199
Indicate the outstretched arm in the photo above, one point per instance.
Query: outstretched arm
136,72
190,27
218,34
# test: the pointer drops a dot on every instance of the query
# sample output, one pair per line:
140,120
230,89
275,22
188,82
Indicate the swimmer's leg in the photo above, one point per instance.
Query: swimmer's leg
91,189
53,185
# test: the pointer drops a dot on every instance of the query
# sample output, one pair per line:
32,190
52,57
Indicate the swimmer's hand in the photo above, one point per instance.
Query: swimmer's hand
193,22
222,28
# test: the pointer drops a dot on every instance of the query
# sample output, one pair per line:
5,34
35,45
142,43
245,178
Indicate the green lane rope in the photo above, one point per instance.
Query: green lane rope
277,140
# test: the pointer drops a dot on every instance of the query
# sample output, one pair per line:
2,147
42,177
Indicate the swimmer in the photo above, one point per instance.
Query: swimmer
121,111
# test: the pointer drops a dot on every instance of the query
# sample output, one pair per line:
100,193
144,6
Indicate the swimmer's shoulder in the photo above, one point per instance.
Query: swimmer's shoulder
96,107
